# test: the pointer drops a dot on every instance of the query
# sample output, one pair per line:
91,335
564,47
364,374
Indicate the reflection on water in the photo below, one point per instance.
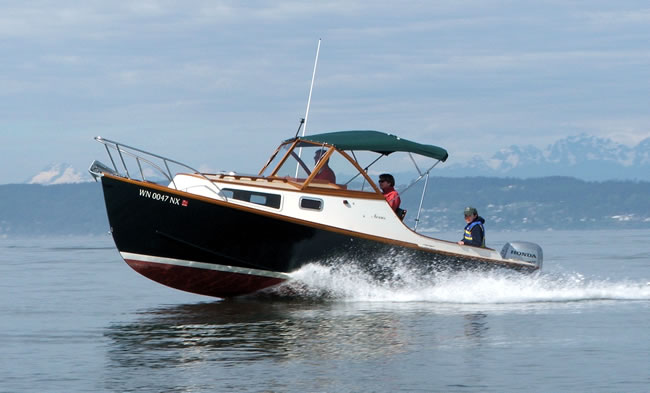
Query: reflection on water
245,331
208,338
476,326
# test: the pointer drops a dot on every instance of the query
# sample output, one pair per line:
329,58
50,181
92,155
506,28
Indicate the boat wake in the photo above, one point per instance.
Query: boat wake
347,283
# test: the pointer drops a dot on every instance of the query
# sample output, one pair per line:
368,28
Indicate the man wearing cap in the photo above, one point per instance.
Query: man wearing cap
474,230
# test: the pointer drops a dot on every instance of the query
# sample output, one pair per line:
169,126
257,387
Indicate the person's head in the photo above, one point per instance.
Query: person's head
470,213
386,179
319,153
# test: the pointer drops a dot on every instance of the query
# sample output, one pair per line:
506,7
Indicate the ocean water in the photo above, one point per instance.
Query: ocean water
75,318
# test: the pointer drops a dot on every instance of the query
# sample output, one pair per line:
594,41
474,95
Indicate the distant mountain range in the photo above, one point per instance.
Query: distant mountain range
563,186
536,203
506,203
583,156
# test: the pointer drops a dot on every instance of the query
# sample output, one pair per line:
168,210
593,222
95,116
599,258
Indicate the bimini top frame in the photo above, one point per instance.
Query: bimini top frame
383,144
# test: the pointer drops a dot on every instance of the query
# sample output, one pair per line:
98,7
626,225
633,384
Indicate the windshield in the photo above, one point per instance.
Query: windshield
302,161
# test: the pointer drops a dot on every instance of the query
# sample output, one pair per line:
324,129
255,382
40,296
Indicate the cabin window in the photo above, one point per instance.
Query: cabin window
311,203
258,198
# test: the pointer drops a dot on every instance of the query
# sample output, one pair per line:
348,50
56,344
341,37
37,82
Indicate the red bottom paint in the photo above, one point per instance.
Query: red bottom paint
202,281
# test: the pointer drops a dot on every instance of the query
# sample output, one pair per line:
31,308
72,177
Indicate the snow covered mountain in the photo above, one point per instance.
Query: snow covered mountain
583,156
58,174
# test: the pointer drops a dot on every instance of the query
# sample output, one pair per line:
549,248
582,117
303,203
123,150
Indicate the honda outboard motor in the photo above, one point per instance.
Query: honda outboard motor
523,251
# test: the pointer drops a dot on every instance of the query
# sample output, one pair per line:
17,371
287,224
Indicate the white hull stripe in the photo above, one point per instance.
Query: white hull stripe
203,265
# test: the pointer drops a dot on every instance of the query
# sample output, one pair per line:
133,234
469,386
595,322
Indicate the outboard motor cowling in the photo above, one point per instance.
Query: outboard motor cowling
523,251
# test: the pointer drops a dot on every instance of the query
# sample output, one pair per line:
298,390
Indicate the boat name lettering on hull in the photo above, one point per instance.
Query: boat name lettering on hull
162,197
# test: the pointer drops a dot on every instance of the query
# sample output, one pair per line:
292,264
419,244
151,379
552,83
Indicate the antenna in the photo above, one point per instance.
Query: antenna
311,88
303,122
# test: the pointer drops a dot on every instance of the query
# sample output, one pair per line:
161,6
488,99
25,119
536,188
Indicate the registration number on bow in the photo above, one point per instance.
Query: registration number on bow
156,196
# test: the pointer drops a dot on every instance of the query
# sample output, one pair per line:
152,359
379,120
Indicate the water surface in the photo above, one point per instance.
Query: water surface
74,317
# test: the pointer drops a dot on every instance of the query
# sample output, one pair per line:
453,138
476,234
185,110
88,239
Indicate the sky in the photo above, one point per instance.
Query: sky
218,84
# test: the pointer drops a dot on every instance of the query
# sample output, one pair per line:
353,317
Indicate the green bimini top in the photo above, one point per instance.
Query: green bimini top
379,142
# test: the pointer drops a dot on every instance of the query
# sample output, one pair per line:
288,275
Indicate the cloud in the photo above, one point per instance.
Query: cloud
178,77
618,18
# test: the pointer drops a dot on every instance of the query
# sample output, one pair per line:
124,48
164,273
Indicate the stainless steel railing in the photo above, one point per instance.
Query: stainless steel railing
155,161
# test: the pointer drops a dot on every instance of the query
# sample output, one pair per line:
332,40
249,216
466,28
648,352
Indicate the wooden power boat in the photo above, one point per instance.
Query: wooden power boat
227,234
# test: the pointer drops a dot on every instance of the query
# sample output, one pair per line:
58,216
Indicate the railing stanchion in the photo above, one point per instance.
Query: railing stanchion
137,159
424,190
111,157
119,151
170,174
